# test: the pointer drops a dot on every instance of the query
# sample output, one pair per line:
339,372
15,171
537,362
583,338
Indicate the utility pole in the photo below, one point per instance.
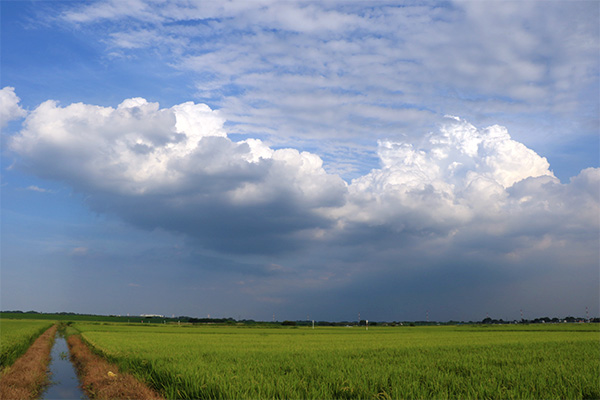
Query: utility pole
587,314
522,319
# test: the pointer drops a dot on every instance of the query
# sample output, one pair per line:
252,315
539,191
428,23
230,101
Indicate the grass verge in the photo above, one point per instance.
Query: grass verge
26,378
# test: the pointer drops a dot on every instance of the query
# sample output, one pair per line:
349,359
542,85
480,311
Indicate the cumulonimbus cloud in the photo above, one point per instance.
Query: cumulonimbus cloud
176,169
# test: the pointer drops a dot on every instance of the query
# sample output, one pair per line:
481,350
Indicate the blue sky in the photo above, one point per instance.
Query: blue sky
241,159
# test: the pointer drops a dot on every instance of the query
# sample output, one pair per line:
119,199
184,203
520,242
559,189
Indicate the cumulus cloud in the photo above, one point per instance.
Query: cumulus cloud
176,169
9,106
457,174
127,149
466,204
358,85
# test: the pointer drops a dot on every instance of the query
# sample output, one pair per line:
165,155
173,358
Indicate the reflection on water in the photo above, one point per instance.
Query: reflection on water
63,378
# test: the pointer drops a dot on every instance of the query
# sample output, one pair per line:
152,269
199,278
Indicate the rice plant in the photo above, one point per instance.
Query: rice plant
16,336
558,361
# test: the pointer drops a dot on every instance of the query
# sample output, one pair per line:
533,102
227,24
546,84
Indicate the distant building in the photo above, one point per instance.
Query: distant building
152,315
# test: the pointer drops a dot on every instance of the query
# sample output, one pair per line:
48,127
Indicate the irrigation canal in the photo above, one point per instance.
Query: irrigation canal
64,383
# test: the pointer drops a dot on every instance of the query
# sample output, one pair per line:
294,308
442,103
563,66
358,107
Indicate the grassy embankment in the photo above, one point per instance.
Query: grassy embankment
101,380
24,376
546,361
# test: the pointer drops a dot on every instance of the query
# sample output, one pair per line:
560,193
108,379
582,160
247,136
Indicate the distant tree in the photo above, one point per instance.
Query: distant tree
288,323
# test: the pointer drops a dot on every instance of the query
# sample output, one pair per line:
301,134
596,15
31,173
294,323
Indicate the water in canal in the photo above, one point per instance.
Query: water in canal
63,378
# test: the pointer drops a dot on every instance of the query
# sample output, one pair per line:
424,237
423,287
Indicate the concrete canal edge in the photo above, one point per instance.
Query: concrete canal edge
27,377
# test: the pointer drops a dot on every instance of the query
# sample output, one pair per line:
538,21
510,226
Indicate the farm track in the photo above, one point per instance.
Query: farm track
102,380
26,378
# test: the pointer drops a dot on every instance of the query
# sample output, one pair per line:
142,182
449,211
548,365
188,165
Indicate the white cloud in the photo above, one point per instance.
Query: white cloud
137,158
341,88
350,71
126,149
112,9
38,189
79,251
176,169
465,209
9,106
460,173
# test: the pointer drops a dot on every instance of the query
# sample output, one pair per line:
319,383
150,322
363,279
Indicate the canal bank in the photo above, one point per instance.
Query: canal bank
102,380
27,376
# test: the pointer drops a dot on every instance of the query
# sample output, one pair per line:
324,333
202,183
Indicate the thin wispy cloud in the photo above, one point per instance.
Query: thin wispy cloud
381,70
38,189
79,251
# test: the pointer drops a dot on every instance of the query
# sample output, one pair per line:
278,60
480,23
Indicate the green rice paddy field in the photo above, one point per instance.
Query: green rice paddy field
512,361
16,336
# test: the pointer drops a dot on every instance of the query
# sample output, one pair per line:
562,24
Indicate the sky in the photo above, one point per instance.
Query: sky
301,160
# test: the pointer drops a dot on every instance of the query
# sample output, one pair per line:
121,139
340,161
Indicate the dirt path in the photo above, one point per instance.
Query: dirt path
26,378
101,380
